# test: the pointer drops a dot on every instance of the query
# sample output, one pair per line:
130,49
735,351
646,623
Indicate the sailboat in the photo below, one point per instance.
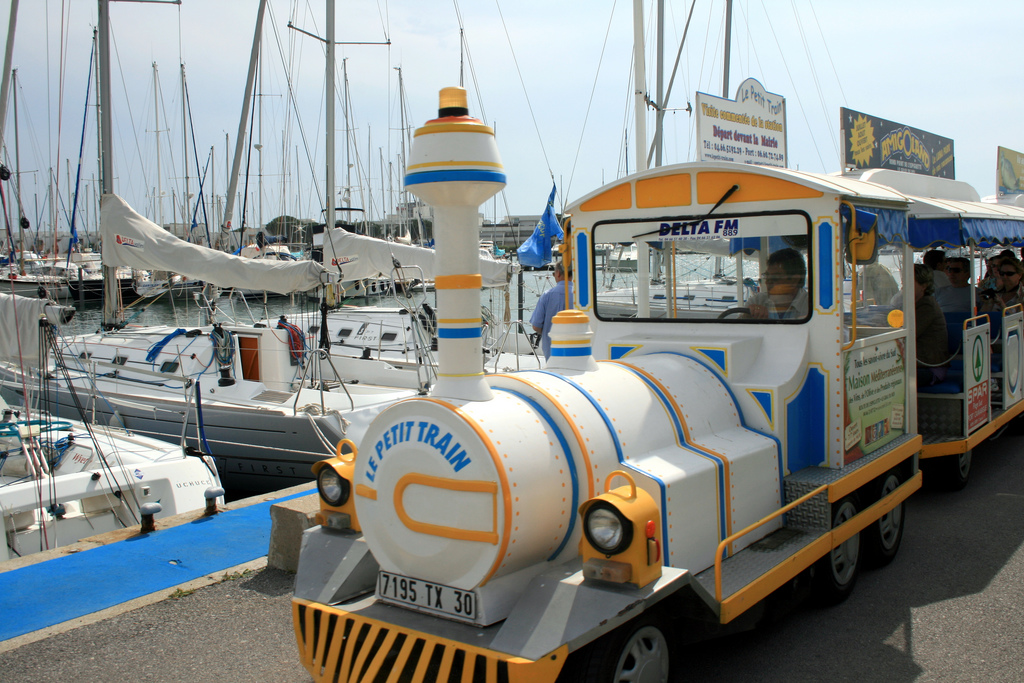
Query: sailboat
249,395
61,479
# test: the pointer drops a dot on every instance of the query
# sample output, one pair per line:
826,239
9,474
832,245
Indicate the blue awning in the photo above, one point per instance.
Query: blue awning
957,231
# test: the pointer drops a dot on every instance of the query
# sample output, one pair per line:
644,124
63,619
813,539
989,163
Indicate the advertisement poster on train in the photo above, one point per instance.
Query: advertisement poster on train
871,142
976,376
749,130
1009,172
876,391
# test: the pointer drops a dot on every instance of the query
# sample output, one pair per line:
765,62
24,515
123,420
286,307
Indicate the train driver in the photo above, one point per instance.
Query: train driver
783,296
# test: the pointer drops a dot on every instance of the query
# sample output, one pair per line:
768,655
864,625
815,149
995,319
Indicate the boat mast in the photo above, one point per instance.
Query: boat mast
17,180
5,84
111,291
329,97
643,256
728,43
236,164
159,213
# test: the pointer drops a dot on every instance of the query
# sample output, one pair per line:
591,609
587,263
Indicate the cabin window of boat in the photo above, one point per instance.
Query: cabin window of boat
739,268
877,293
169,367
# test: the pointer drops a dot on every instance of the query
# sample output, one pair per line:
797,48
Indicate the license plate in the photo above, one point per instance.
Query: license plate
427,596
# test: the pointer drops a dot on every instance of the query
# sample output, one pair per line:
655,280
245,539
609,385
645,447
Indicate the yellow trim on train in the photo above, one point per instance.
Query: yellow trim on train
569,420
343,659
471,486
430,128
936,450
435,164
458,321
664,191
619,197
365,491
459,281
711,185
506,530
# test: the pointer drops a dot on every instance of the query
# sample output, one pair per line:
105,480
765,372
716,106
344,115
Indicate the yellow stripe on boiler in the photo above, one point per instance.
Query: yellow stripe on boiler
435,164
474,486
452,128
458,281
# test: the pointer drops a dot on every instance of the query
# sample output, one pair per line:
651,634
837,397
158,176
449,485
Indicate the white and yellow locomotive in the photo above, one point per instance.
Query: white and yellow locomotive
688,450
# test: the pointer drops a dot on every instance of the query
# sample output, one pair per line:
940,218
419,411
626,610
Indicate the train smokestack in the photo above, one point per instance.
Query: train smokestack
455,167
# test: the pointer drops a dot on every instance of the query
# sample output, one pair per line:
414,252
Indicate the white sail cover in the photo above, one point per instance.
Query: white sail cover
19,335
134,241
358,257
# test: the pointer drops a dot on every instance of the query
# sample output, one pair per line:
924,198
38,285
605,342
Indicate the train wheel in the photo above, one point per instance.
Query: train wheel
954,470
637,651
882,539
836,573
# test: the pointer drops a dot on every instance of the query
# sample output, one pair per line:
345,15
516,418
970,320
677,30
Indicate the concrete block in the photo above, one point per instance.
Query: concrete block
288,519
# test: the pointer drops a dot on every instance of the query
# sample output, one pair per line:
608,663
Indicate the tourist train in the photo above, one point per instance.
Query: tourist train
673,466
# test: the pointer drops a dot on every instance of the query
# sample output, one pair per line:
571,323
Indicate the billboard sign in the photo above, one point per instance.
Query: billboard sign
750,129
1009,172
871,142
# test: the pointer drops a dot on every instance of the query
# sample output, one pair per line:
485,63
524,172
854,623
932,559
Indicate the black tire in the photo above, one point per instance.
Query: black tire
836,574
954,470
881,541
639,650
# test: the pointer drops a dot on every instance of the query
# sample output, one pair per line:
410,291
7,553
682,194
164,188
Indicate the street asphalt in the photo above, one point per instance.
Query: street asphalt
949,608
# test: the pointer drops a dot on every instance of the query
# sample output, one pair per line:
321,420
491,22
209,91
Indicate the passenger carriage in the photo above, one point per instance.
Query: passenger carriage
983,388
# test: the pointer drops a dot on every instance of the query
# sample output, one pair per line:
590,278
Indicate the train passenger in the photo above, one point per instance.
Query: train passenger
931,340
1012,289
549,304
783,296
957,297
936,260
879,285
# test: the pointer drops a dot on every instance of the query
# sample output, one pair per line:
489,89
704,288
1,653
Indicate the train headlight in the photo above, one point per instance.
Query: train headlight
607,529
621,534
334,477
333,489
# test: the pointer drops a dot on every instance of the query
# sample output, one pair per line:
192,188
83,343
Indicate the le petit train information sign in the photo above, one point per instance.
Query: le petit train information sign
750,129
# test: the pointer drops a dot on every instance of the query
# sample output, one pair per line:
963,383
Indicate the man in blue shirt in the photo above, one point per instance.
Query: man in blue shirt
550,303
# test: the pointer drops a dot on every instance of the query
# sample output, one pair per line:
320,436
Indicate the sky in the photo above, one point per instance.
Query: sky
554,78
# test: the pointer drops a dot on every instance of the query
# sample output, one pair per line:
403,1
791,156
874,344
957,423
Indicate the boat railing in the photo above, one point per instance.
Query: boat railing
423,324
515,330
320,355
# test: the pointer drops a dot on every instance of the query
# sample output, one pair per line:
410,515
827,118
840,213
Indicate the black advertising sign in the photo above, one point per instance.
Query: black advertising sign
871,142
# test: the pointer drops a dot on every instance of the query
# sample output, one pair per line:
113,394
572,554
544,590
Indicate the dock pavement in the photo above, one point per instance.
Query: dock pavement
949,608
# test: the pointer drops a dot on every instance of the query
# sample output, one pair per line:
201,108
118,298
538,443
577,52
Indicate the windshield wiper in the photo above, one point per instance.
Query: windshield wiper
728,193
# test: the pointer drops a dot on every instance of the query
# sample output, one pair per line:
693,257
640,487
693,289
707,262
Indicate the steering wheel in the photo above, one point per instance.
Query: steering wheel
730,311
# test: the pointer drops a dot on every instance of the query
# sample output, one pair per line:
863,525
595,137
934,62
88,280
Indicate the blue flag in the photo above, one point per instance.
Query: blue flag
536,250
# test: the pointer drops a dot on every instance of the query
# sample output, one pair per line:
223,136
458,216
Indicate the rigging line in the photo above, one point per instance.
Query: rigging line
131,116
817,81
295,106
833,65
195,150
796,93
465,56
529,104
73,239
590,101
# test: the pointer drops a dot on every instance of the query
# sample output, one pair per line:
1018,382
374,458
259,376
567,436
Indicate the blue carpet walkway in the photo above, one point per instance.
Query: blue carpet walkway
72,586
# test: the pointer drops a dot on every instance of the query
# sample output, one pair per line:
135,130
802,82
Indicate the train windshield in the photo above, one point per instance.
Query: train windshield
746,268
